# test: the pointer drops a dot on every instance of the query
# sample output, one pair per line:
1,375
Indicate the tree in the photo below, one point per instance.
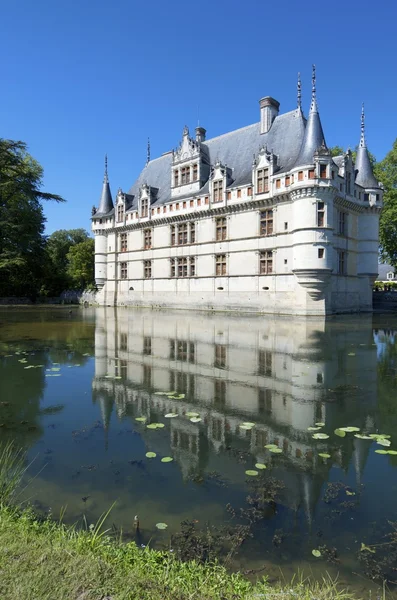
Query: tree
59,243
386,172
22,220
81,260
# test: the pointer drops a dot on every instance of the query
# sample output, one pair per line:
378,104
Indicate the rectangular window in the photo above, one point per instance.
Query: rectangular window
176,178
123,270
220,264
147,269
266,222
177,206
278,184
221,229
192,233
123,242
342,223
249,191
185,175
173,235
287,181
145,207
300,175
183,234
147,345
266,262
320,214
191,203
218,190
321,252
195,172
285,226
123,342
262,181
147,238
120,212
366,197
182,267
323,171
238,193
192,266
333,174
220,356
265,363
173,271
229,195
341,262
311,173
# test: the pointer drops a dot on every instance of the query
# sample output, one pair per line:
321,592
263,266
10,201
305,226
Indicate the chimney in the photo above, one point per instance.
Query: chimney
200,134
269,111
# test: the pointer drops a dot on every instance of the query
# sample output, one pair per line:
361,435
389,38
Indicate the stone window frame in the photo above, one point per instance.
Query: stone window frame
120,213
144,208
123,242
217,190
262,180
123,270
220,229
266,222
266,262
342,222
320,213
342,262
147,269
221,265
147,238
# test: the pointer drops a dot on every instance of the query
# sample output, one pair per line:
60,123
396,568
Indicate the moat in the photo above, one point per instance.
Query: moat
246,407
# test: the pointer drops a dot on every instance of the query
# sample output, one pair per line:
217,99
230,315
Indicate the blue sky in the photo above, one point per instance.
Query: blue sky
81,78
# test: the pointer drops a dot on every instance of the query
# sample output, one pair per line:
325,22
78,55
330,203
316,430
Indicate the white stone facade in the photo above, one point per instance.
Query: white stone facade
271,235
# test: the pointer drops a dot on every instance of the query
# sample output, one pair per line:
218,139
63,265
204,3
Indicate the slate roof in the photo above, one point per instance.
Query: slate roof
365,176
106,202
313,138
383,270
236,150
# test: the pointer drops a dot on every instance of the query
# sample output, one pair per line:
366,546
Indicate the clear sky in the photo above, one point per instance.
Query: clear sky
80,78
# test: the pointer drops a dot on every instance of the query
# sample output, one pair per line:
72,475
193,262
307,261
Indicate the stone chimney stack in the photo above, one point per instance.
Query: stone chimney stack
269,111
200,134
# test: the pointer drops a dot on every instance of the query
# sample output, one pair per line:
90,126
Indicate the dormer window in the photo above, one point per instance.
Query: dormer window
185,175
120,213
262,181
195,172
323,171
145,207
218,190
176,178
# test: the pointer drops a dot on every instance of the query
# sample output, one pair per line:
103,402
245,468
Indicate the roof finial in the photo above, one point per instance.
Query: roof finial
105,178
313,85
299,89
148,151
362,137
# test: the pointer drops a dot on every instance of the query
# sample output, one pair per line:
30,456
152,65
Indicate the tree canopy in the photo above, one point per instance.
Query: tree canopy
386,172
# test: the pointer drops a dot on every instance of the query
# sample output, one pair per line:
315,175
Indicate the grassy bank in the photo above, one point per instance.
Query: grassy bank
46,560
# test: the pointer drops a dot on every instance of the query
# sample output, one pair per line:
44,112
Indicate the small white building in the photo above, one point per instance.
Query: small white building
261,219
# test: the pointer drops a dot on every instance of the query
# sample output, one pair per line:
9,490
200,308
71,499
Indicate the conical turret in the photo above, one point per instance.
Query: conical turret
314,137
106,202
365,175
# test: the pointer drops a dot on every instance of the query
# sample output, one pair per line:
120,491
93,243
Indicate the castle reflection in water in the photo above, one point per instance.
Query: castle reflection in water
282,374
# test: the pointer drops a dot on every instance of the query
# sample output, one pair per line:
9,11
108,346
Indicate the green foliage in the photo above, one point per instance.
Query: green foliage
57,278
336,151
386,172
22,220
81,264
12,470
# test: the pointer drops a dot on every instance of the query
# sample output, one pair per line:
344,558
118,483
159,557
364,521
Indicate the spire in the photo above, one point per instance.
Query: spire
106,202
148,151
365,175
314,136
299,90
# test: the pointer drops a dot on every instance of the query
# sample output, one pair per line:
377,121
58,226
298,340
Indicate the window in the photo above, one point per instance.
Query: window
238,193
183,233
145,207
192,266
147,345
182,267
262,181
323,171
342,223
147,269
177,206
195,172
219,393
185,175
285,226
221,229
366,197
147,238
176,178
173,235
173,271
229,195
341,262
120,212
123,342
220,356
266,222
300,175
278,184
123,270
287,181
249,191
311,173
320,214
218,189
390,276
220,263
321,253
192,233
191,203
123,242
266,262
265,363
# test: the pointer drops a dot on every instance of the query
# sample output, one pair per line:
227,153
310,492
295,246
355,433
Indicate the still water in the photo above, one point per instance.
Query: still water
72,386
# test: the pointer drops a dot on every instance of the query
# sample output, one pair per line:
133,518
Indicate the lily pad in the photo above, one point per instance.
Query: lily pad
268,446
251,473
249,424
192,414
195,419
393,452
161,525
381,451
320,424
320,436
167,459
361,436
313,428
152,426
151,455
245,427
349,429
316,553
140,419
351,354
171,415
383,442
324,455
365,548
260,466
275,450
379,436
340,433
349,493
